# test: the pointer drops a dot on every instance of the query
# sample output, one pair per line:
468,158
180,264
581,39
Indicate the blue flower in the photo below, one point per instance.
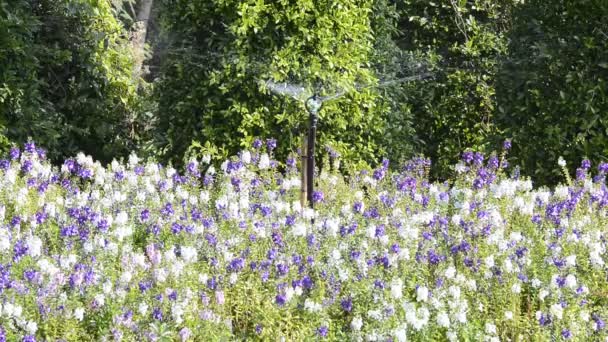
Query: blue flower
322,331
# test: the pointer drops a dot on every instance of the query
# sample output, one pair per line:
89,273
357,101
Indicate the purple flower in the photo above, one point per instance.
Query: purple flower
478,158
307,282
145,215
144,286
167,210
30,275
467,157
19,250
544,320
379,174
280,299
271,144
236,265
599,323
157,314
15,153
184,334
27,166
30,147
506,144
29,338
347,304
282,270
68,231
322,331
380,231
586,164
566,334
318,196
493,162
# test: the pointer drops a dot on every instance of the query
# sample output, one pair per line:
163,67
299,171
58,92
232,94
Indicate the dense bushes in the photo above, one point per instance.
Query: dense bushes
65,77
552,91
210,88
533,71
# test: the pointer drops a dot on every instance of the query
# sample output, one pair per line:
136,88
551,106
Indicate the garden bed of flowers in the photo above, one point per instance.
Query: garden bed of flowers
136,251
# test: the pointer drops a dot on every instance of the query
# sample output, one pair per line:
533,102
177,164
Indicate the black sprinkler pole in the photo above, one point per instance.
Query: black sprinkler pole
313,109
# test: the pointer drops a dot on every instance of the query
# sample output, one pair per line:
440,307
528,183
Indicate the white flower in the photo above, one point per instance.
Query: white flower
516,288
562,192
31,327
490,329
461,316
34,245
356,323
189,254
422,294
443,320
561,162
450,272
79,314
571,281
299,229
571,260
401,334
508,315
454,291
126,277
142,309
100,299
264,161
5,242
311,306
460,167
557,311
246,157
177,311
121,218
375,314
397,288
489,261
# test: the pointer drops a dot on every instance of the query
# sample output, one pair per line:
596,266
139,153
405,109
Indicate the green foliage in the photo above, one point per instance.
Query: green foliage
221,51
65,72
553,98
463,40
534,71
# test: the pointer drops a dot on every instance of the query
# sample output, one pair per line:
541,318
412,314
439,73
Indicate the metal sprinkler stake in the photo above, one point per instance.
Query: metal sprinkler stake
313,105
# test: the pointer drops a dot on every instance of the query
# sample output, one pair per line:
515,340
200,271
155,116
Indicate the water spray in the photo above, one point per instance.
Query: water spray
313,103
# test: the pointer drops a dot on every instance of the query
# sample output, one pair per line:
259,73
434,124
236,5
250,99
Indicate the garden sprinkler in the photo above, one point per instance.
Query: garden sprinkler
313,104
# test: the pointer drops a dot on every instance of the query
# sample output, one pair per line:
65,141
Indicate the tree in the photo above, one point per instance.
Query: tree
220,52
66,77
552,89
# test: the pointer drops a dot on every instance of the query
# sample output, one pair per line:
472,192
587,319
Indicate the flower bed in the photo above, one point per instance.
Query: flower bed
136,251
